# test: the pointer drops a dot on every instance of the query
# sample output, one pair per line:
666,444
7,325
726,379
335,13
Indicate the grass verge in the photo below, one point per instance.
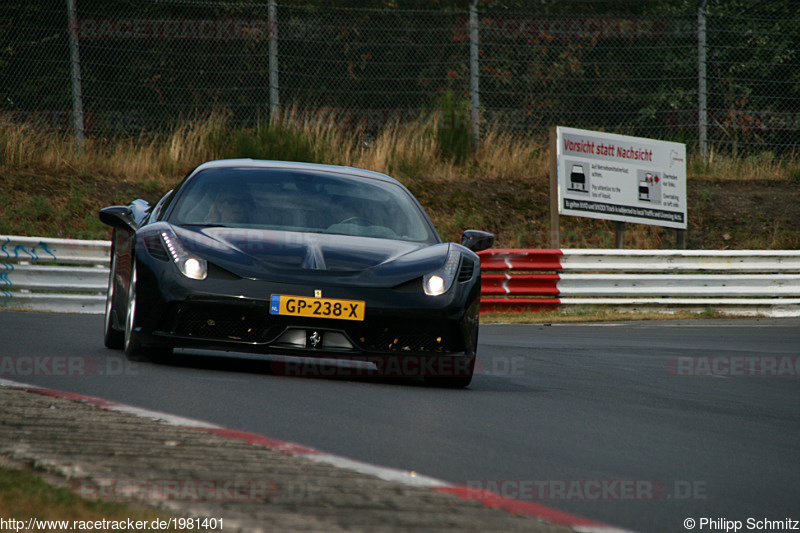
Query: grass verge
594,314
25,495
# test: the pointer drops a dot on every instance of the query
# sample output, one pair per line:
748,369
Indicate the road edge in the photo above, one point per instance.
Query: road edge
490,499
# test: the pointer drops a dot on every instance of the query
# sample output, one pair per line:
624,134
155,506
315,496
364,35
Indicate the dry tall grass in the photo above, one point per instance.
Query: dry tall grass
412,150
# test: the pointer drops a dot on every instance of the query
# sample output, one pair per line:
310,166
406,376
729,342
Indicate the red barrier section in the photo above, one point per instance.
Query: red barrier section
520,259
509,281
520,284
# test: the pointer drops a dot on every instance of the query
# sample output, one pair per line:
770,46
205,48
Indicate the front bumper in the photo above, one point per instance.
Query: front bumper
233,314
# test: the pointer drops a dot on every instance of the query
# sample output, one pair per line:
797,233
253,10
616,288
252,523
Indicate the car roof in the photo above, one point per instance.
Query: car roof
293,165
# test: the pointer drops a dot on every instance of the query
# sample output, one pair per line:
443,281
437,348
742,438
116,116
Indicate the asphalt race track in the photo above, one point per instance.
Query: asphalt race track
640,425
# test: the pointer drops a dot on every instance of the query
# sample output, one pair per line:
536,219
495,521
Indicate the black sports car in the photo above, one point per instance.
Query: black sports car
294,259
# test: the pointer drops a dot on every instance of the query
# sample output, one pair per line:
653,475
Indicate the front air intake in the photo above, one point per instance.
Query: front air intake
467,269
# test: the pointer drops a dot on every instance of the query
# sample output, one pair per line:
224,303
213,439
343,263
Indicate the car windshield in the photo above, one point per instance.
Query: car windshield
300,200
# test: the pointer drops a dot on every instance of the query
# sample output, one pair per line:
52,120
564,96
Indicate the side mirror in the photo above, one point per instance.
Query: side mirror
118,216
477,240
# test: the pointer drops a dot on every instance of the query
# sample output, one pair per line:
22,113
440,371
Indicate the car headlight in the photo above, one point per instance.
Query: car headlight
440,281
190,266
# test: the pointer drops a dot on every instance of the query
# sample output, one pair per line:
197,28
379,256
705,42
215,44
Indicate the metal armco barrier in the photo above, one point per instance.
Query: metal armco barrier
72,275
62,275
740,281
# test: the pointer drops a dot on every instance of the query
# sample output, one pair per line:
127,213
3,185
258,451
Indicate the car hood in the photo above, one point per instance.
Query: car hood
298,257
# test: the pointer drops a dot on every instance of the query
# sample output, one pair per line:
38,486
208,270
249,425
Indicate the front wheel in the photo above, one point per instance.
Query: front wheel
112,337
452,373
132,344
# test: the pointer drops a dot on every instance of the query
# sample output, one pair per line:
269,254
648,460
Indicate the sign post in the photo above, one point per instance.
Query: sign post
555,225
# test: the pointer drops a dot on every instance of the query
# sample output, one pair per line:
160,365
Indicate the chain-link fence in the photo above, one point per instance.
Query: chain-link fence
720,72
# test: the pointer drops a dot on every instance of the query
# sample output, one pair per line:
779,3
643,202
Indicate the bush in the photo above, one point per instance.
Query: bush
453,131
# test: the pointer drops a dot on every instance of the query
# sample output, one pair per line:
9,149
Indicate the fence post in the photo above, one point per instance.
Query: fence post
474,79
274,95
702,89
77,98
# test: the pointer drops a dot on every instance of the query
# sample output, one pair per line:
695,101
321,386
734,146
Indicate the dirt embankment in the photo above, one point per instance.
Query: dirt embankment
723,214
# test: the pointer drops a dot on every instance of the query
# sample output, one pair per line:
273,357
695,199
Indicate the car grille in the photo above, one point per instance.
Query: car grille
218,322
411,338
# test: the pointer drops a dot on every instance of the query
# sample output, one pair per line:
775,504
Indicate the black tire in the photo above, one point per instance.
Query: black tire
112,338
132,345
157,354
458,378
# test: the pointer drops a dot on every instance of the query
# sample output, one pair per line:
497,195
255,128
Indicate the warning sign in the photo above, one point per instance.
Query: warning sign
622,178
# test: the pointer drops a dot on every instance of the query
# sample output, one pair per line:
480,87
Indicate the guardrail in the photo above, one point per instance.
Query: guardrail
63,275
746,282
72,275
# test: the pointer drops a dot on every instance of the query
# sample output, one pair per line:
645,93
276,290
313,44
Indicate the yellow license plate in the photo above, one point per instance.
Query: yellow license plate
282,304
